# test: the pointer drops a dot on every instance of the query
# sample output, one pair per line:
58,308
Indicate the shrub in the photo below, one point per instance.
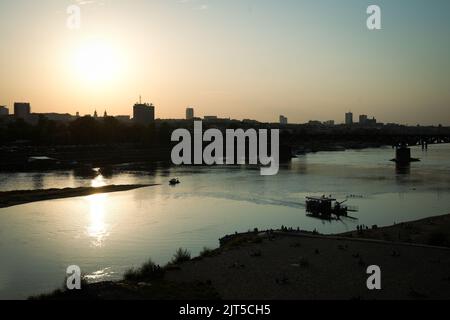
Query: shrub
206,252
148,271
181,255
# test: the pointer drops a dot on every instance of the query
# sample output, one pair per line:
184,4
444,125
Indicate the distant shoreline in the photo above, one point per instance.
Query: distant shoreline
18,197
83,159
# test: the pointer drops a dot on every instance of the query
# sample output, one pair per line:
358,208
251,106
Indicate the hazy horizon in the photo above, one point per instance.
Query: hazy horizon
258,59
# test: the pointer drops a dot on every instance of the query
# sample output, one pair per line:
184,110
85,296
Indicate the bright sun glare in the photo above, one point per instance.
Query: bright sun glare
96,62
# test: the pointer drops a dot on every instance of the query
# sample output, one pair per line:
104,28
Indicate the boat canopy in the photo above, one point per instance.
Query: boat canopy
323,199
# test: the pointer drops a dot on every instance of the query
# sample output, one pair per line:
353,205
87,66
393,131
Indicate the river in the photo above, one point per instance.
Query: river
106,234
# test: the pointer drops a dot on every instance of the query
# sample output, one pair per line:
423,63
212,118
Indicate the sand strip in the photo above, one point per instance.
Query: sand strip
14,198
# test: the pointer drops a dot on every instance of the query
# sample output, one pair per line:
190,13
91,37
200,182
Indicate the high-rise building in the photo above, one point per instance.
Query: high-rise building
143,113
189,113
22,110
349,118
4,111
363,119
283,120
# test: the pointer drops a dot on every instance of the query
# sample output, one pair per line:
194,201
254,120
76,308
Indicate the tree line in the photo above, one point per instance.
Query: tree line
83,131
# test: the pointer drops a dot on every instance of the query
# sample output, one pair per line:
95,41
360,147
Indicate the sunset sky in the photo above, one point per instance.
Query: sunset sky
254,59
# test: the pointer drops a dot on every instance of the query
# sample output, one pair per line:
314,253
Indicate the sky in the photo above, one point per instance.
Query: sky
256,59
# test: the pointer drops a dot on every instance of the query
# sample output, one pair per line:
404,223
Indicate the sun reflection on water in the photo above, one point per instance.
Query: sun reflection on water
97,229
100,275
98,181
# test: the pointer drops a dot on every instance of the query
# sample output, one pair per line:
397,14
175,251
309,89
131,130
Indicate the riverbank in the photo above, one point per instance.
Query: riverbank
79,157
18,197
130,156
288,264
434,231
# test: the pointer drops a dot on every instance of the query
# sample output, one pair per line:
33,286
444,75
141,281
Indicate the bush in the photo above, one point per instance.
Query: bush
206,252
148,271
181,255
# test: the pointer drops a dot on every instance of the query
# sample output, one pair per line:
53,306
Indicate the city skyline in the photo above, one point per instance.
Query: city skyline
144,113
243,59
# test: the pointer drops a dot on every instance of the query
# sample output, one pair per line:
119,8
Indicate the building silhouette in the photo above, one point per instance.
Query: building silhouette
22,110
4,111
283,120
189,113
371,122
61,117
349,118
143,113
210,118
363,119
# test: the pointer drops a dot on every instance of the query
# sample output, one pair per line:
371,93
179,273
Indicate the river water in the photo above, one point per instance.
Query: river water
108,233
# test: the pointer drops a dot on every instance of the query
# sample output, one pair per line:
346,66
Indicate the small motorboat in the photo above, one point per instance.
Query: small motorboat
174,182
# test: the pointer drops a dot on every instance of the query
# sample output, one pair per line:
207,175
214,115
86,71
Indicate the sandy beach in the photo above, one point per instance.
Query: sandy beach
290,265
14,198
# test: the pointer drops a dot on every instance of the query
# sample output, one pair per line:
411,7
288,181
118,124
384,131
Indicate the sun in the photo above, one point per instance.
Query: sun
96,62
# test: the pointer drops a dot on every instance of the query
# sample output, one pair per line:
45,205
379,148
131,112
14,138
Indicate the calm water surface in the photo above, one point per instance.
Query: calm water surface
108,233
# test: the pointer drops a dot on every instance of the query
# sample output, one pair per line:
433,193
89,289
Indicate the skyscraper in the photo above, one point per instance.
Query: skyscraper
22,110
283,120
349,118
143,113
189,113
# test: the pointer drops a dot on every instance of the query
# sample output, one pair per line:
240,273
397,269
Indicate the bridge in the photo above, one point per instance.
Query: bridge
421,140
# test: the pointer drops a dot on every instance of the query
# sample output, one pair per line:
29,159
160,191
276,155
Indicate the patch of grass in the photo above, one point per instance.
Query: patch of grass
243,239
180,256
148,271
